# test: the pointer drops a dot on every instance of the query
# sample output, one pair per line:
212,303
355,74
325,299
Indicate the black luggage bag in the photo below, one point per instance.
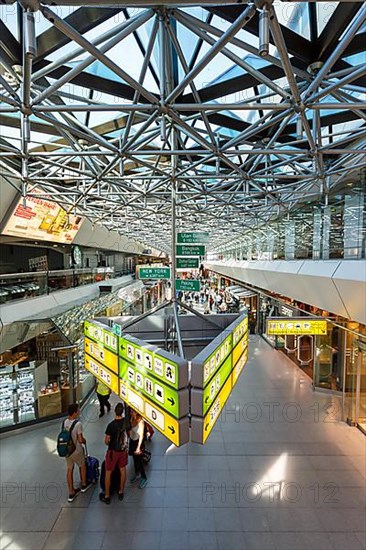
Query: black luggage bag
115,478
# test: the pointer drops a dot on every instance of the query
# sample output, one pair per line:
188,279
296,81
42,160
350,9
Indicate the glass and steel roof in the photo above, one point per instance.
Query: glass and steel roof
231,115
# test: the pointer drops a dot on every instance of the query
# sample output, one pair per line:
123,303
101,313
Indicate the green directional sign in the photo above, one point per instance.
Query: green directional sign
139,378
160,364
187,285
192,237
189,263
190,250
154,273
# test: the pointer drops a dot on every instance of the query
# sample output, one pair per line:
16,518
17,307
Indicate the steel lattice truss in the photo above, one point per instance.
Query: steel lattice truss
230,117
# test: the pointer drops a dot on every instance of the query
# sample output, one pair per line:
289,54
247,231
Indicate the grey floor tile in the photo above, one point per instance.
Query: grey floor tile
70,519
176,497
142,540
177,478
174,540
200,497
202,540
227,519
117,539
29,519
302,541
259,541
149,519
293,520
254,520
231,540
16,540
361,535
151,497
201,517
175,519
340,541
177,462
76,540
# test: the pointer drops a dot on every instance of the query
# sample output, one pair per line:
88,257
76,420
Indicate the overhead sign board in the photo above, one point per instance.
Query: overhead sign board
193,237
102,354
154,273
187,285
190,250
102,373
97,332
214,372
177,431
295,326
187,263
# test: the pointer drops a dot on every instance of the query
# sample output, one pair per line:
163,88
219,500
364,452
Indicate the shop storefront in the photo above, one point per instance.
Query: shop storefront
40,377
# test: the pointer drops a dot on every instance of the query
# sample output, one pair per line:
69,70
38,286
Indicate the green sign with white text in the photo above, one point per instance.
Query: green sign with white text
190,250
192,237
154,273
189,263
187,285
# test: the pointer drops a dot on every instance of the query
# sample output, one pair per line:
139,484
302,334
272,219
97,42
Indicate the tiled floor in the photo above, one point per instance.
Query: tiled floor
279,472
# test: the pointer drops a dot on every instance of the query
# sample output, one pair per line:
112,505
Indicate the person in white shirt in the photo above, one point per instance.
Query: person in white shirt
136,447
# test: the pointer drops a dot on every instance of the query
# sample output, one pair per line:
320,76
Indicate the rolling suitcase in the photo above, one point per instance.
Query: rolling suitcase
115,479
92,468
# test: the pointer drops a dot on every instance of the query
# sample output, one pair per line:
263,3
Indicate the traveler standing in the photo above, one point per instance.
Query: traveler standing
116,437
103,393
73,424
136,447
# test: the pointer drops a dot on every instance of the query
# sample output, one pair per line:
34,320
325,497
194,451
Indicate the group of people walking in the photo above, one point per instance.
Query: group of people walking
124,436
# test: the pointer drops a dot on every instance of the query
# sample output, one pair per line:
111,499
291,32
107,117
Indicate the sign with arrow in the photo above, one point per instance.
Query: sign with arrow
175,402
97,332
102,354
177,431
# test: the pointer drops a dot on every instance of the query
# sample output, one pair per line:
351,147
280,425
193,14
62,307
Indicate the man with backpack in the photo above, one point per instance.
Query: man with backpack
70,445
116,437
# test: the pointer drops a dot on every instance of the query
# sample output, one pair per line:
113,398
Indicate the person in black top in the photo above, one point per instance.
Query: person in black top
116,437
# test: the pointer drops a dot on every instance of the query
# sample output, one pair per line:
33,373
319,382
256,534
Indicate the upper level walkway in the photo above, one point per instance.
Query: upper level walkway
280,471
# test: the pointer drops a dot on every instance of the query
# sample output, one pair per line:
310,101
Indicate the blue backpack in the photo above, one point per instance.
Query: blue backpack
65,443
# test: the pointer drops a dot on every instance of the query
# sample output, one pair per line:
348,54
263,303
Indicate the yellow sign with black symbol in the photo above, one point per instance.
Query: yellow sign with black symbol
102,373
177,431
235,373
239,348
99,352
211,417
288,326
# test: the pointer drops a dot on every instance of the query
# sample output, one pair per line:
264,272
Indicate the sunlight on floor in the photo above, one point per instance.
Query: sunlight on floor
272,480
6,543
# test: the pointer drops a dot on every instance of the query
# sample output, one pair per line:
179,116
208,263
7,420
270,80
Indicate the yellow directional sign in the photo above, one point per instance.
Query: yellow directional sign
99,352
176,431
210,419
102,373
235,373
295,326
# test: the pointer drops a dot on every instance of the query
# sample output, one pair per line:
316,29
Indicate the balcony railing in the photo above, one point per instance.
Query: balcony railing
18,286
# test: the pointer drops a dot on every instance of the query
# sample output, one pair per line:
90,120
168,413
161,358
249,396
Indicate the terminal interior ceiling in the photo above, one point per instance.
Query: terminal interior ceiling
144,118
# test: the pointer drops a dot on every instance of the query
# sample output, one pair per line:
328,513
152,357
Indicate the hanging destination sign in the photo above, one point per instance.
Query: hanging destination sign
190,250
187,285
187,263
154,273
192,237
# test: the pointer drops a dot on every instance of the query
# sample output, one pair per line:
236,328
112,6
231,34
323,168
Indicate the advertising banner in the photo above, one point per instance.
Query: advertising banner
42,219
